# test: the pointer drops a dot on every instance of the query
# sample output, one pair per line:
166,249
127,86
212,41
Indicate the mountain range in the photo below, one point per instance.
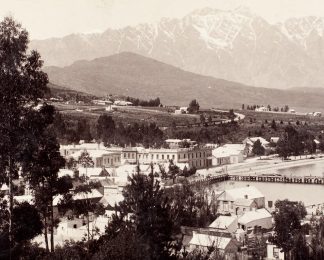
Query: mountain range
235,45
134,75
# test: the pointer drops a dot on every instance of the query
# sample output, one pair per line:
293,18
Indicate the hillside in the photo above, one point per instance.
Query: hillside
235,45
138,76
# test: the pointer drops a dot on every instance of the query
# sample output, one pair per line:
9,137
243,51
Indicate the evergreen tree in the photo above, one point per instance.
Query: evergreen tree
22,85
257,148
287,217
105,127
273,125
42,175
193,106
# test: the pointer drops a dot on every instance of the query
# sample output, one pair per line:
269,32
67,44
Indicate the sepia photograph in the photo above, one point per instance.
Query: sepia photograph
161,129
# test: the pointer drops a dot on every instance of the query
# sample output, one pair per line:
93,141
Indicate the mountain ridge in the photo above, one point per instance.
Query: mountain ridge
235,45
134,75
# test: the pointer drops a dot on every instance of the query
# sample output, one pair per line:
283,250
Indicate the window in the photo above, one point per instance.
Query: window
75,226
157,156
276,252
270,204
162,156
173,156
152,156
168,157
133,156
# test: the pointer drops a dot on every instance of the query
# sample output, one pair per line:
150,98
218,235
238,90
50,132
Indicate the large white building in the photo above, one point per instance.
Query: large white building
199,157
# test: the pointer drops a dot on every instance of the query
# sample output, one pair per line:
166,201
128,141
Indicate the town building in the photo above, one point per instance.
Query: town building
261,109
67,150
198,157
102,102
204,241
182,110
225,224
274,252
177,143
228,154
249,142
239,200
256,219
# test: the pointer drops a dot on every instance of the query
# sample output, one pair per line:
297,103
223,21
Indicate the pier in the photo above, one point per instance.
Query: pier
279,179
261,178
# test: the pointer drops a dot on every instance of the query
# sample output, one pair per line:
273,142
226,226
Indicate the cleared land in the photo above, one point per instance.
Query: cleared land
163,117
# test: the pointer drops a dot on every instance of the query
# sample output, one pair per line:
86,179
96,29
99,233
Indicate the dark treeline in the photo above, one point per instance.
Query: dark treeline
215,134
295,142
105,129
285,108
144,103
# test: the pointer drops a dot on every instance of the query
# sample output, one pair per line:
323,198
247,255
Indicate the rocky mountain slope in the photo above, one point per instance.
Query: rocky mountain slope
233,45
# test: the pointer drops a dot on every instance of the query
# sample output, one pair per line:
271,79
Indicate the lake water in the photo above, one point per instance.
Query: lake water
308,193
313,169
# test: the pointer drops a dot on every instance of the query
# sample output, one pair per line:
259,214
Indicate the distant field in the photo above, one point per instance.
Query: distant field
278,116
159,115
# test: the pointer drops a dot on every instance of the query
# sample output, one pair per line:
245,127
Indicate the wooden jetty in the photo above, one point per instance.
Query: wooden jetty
260,178
279,179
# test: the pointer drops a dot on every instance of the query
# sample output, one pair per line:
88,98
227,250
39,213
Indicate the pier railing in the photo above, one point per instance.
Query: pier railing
260,178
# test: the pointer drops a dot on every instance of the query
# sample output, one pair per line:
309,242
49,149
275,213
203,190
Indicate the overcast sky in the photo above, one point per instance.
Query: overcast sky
56,18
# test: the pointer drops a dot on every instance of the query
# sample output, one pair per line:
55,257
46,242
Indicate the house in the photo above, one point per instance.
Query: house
255,219
274,140
274,252
228,154
318,114
4,189
317,143
204,241
249,142
94,173
243,205
176,143
229,201
225,224
261,109
102,102
67,150
122,103
100,157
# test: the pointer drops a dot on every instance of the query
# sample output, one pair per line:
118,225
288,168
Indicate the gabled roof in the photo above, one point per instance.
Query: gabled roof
223,222
253,215
94,194
252,140
248,192
210,240
228,150
92,153
4,187
244,202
